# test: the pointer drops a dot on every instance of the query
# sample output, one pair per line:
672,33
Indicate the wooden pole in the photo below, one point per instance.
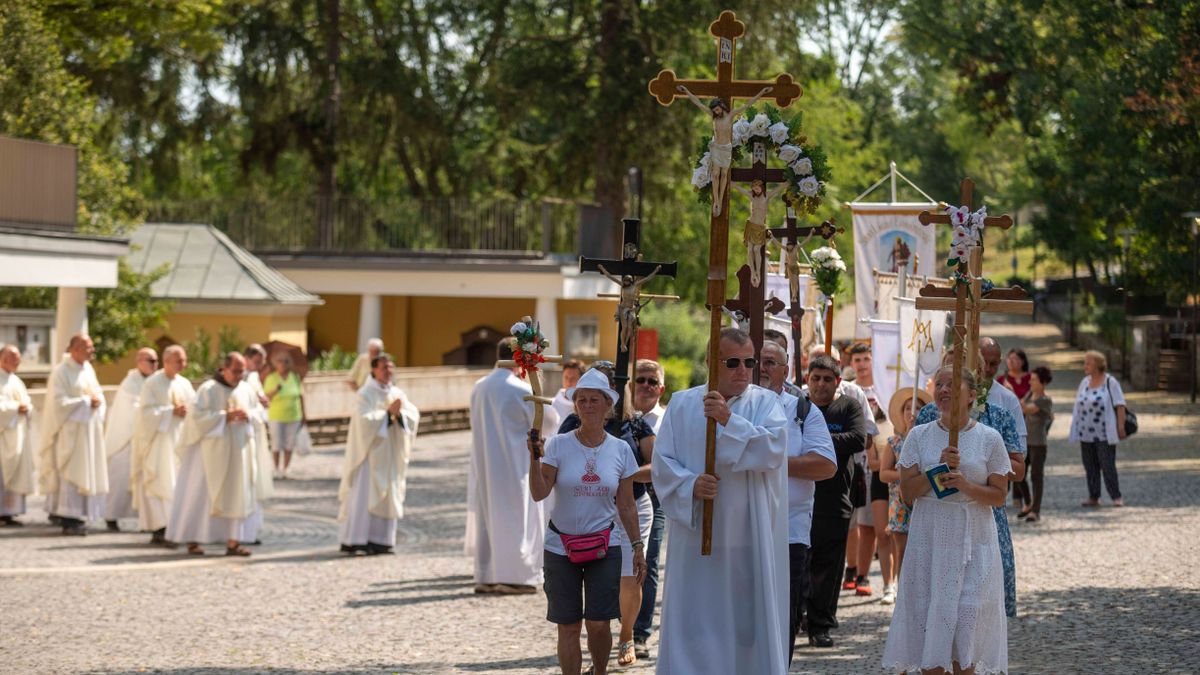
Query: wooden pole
829,326
718,256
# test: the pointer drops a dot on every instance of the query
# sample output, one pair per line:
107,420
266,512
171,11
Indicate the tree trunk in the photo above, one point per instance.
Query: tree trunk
609,190
326,159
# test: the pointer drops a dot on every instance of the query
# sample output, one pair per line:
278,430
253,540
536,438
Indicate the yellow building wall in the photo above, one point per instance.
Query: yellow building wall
436,324
181,328
394,326
290,329
603,310
335,323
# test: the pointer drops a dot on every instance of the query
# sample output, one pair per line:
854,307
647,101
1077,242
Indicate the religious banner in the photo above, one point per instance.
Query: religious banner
890,375
887,236
887,289
922,334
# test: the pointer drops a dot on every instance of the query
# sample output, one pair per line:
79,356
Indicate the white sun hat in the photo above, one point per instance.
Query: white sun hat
593,379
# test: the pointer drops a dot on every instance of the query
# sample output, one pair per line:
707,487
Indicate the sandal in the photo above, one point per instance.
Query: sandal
194,549
237,550
1024,513
1033,518
625,654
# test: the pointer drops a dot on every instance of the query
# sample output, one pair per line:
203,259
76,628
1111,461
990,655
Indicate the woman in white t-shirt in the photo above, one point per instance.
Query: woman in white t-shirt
591,475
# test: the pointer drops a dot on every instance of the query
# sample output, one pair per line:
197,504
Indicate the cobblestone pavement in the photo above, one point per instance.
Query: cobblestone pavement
1100,591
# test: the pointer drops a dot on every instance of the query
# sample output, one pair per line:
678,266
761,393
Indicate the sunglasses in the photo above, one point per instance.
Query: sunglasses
652,381
151,360
750,363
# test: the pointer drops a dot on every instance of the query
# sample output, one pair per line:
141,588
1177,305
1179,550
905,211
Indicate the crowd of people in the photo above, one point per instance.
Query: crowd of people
194,464
813,482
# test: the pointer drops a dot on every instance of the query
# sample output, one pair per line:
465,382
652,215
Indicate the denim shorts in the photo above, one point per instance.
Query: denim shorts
590,591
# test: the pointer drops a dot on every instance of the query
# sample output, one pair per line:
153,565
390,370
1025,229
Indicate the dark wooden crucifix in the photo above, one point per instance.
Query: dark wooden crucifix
968,302
629,273
789,238
666,88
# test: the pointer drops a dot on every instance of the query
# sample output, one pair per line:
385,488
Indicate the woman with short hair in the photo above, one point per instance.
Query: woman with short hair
1098,424
591,475
285,412
950,609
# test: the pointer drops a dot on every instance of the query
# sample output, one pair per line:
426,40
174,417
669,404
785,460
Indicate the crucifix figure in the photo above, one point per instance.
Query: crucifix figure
666,88
750,307
720,148
630,273
789,239
969,304
534,375
755,234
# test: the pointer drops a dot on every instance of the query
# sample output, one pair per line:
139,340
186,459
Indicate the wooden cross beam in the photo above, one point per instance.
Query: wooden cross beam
751,305
629,273
666,87
537,397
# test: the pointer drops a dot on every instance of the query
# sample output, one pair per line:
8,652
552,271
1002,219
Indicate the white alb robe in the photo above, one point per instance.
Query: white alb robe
505,527
728,612
375,469
219,483
74,465
266,465
16,445
118,442
153,460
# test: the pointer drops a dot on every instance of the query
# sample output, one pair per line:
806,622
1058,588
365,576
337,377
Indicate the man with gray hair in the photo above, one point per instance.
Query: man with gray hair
360,372
745,579
16,441
998,394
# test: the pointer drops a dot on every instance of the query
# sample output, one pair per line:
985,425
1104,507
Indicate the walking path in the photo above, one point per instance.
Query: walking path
1099,591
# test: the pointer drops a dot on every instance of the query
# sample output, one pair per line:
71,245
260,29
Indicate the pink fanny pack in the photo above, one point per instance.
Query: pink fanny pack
585,548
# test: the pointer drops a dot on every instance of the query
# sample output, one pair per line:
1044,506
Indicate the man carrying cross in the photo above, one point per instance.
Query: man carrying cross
725,612
720,148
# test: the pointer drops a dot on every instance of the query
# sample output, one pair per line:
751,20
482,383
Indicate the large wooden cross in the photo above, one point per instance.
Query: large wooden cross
630,266
969,304
666,88
751,306
789,237
537,397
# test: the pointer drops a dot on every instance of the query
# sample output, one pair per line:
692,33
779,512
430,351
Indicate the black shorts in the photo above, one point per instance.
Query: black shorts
589,591
879,489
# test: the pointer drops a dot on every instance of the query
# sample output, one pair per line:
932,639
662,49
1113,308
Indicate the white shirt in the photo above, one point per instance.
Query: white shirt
814,438
1000,396
654,417
586,486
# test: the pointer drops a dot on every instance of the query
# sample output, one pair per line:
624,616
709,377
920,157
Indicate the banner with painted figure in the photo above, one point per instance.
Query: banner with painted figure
887,236
887,366
777,287
922,335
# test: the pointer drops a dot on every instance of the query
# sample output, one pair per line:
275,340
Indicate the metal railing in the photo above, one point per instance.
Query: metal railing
345,225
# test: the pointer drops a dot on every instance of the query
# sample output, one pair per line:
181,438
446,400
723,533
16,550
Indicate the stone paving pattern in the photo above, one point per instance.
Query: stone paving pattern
1099,591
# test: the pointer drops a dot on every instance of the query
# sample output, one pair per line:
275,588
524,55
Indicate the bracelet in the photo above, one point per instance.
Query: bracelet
638,544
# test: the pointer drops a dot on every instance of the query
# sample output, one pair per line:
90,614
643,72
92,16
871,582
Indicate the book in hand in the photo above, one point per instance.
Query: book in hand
935,475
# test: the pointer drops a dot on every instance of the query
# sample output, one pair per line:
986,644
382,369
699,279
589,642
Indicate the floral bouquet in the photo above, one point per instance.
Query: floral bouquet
530,344
827,269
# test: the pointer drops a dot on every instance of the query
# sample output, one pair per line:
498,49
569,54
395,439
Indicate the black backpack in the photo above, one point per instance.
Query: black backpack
803,405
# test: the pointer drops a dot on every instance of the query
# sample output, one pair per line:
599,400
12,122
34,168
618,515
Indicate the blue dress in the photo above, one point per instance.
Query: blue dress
1000,420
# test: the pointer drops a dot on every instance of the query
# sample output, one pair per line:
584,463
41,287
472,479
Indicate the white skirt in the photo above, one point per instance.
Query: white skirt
68,503
120,500
11,503
361,527
645,509
950,604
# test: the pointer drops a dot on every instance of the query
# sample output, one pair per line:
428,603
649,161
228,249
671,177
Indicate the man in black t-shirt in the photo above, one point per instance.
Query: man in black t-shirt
831,502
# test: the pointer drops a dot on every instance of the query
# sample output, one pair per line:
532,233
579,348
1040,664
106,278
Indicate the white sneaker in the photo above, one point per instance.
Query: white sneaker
889,595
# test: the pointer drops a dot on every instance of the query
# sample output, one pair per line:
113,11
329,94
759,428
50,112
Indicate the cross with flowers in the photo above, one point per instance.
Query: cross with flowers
529,347
970,297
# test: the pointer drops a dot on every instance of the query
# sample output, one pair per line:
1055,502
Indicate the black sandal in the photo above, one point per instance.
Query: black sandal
238,550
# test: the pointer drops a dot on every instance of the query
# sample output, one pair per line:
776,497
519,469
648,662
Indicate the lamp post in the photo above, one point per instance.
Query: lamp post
1194,216
1126,244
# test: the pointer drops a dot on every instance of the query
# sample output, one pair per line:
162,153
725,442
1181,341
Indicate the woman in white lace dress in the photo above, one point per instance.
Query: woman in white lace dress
949,614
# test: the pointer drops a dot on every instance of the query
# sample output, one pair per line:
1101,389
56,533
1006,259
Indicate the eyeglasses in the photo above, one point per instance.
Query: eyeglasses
750,363
771,363
652,381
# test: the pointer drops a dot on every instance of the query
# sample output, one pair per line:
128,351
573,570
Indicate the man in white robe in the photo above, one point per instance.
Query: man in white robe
572,370
219,481
375,469
16,439
727,612
256,357
162,408
505,527
74,466
360,372
118,438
